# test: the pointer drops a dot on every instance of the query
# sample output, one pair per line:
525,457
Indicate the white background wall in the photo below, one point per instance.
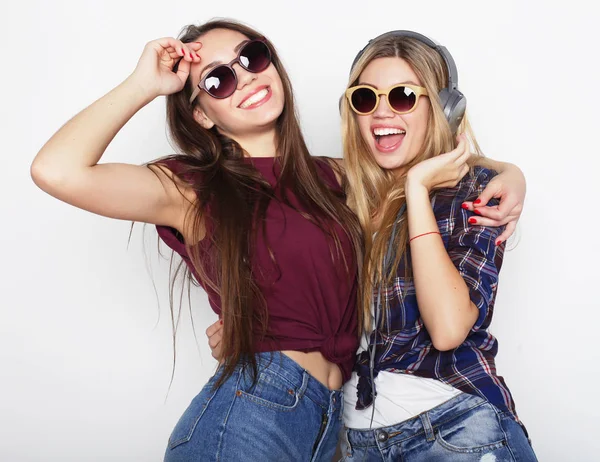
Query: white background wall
85,346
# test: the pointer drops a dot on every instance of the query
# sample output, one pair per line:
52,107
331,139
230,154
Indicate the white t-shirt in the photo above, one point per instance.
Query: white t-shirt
399,397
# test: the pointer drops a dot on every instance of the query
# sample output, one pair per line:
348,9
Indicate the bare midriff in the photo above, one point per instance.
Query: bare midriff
328,373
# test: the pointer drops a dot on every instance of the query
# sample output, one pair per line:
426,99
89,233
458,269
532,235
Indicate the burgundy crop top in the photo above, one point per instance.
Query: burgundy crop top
310,298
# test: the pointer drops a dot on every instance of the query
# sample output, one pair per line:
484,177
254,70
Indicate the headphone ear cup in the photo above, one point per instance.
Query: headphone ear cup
444,95
454,104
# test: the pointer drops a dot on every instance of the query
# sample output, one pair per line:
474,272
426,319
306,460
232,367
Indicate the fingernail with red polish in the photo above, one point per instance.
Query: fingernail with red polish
465,206
478,201
220,321
498,242
477,212
472,221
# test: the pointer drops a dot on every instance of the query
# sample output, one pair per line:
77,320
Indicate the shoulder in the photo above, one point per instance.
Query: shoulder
177,167
332,168
180,181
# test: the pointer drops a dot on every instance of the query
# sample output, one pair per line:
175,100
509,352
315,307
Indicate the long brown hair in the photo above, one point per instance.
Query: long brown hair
232,198
375,192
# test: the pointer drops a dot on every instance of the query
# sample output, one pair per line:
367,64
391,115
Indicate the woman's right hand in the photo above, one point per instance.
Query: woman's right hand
154,70
443,171
215,335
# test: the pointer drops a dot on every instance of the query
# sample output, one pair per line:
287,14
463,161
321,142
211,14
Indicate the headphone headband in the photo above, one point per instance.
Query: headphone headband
444,53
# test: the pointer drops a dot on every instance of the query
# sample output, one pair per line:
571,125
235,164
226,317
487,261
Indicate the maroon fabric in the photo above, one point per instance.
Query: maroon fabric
310,297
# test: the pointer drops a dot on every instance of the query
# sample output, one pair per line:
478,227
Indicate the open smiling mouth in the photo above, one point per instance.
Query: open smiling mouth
257,99
388,139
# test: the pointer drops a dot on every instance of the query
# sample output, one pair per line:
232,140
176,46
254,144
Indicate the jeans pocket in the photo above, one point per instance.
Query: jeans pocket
184,429
477,430
270,390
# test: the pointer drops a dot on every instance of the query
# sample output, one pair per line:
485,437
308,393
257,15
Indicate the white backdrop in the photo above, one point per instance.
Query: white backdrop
85,346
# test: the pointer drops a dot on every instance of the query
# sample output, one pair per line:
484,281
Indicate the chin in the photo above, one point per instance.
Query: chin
390,161
268,114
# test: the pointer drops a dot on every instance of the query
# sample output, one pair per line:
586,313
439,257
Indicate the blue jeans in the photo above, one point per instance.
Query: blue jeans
465,428
287,415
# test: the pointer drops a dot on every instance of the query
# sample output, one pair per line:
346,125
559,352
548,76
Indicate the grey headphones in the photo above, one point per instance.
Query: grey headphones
453,102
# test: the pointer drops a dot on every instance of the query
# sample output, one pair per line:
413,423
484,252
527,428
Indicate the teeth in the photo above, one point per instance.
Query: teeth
255,98
388,131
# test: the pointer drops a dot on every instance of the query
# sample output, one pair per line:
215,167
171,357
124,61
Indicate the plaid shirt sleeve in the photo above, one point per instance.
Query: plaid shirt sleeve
472,248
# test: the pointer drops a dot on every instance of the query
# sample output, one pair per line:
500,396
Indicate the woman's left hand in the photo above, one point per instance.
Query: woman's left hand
510,188
215,336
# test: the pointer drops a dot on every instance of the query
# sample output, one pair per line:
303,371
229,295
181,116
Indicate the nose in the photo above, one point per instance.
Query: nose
244,77
383,110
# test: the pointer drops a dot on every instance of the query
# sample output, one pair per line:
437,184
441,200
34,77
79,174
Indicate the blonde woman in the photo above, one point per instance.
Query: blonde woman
425,385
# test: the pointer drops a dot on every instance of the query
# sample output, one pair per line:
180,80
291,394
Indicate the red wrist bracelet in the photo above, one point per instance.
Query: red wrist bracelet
424,234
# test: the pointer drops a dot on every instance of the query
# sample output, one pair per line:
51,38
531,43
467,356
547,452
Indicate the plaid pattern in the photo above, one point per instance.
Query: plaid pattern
403,343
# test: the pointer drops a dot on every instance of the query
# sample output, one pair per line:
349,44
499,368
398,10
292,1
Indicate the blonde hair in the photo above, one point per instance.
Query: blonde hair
378,193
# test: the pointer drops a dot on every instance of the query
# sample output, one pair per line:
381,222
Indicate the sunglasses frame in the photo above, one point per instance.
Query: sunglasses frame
419,91
202,84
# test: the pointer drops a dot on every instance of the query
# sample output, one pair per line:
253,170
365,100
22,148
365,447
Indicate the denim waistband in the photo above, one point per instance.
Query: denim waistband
300,379
425,422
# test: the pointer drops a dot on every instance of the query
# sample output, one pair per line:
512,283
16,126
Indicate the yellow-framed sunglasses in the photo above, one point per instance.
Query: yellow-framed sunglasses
402,99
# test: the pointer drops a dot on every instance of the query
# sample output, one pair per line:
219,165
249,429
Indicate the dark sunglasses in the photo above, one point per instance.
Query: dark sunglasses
402,99
222,81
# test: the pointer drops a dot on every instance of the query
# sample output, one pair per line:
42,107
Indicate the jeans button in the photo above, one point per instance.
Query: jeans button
382,436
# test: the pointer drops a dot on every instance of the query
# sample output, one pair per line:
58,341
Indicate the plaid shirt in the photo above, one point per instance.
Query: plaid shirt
403,343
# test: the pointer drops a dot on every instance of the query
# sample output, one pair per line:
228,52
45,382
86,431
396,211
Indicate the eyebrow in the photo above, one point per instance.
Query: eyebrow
214,63
408,82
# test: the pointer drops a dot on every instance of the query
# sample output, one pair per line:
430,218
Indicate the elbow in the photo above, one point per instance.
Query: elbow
42,176
451,326
48,178
446,344
449,339
37,172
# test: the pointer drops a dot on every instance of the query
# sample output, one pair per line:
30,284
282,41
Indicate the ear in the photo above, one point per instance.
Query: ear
201,117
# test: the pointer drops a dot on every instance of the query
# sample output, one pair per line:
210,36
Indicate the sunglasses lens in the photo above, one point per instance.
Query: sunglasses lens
363,100
220,82
255,56
402,99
